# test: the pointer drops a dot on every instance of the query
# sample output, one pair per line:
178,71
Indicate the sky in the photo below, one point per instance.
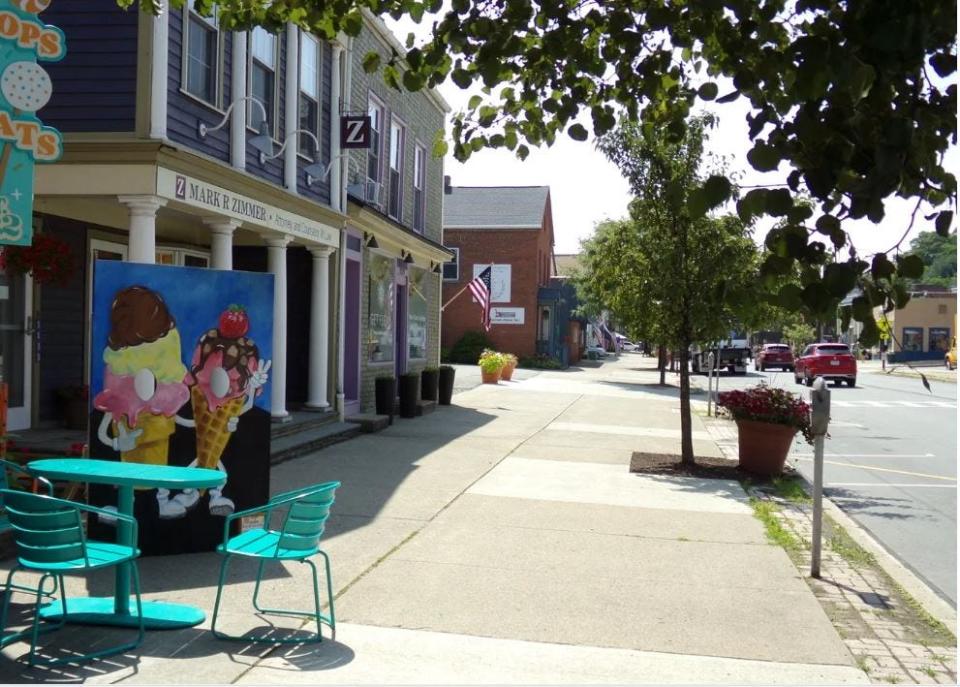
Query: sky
585,188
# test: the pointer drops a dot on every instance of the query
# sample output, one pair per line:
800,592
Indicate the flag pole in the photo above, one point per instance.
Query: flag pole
455,297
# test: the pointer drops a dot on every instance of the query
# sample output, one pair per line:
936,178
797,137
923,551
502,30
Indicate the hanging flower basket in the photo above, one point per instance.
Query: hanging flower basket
49,260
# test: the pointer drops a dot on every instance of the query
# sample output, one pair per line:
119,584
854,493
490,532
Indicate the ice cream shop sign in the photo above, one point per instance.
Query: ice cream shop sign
24,88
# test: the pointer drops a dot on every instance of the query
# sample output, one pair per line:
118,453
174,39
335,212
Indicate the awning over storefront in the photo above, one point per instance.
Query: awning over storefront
394,237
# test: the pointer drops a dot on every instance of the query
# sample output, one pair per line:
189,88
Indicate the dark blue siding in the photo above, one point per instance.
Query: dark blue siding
320,191
184,112
95,85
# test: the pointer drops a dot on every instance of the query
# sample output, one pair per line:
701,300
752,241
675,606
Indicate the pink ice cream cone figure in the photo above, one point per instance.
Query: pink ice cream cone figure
226,375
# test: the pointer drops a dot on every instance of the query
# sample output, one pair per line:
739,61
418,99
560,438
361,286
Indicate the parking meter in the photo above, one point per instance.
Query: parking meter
819,406
819,421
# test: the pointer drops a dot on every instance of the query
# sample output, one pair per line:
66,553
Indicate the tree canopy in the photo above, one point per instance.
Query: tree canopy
855,99
939,255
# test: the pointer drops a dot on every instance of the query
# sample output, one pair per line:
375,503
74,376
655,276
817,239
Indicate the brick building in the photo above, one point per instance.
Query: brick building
510,228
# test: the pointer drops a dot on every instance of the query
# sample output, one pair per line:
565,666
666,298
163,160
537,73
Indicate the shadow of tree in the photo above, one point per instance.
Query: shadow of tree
887,507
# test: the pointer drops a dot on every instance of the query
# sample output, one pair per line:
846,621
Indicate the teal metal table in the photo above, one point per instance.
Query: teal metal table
120,610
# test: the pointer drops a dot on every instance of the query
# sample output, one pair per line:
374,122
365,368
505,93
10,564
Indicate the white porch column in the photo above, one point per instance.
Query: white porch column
143,227
277,264
336,190
319,328
221,242
158,82
291,109
238,89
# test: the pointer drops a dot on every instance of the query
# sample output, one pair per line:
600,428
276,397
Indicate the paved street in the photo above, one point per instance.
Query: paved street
891,464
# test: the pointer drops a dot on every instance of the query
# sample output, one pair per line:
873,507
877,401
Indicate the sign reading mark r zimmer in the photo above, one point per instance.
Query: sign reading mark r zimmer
220,201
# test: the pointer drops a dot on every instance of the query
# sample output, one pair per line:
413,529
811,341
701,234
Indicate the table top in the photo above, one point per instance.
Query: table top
126,474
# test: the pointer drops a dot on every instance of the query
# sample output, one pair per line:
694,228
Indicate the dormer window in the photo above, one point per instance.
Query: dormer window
201,56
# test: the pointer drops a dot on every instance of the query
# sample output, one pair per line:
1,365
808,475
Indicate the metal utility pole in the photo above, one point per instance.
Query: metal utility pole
709,382
819,420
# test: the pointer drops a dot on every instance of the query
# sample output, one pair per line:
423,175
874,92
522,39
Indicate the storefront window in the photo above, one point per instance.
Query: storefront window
417,314
940,339
913,338
380,311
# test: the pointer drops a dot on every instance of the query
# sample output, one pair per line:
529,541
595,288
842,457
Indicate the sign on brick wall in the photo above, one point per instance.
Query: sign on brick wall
24,88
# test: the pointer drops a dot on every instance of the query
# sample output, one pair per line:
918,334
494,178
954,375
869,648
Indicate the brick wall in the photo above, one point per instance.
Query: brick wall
523,250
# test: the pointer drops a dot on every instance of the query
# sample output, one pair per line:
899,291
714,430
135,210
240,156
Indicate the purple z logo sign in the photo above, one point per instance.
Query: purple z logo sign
355,131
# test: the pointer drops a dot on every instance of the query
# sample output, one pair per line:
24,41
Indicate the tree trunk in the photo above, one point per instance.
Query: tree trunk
686,428
662,364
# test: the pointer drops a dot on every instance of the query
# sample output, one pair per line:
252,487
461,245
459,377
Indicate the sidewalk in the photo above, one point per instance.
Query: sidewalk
934,372
503,540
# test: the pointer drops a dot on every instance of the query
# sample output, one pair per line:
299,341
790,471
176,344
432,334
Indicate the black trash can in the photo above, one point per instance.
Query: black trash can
386,394
409,394
429,384
447,374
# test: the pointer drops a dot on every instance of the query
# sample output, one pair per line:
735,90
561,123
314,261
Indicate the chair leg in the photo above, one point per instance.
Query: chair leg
35,633
216,604
316,602
256,588
7,593
333,615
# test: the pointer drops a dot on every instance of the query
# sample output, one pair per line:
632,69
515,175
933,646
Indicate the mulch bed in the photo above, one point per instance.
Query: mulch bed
706,467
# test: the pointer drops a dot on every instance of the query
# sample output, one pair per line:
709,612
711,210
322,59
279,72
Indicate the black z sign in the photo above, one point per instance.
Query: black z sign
355,131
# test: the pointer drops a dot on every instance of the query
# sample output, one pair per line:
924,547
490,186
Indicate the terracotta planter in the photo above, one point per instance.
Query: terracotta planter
490,377
764,446
506,374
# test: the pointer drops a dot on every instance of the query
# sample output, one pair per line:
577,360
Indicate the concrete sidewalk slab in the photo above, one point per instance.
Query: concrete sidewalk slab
594,441
625,430
609,485
375,655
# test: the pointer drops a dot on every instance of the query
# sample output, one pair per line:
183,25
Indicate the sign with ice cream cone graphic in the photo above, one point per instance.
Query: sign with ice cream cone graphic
180,374
24,88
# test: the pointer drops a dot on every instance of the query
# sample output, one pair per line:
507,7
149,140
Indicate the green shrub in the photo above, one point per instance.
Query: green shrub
444,355
541,361
468,349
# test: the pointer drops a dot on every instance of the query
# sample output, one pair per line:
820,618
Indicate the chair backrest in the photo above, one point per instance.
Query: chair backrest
46,529
306,517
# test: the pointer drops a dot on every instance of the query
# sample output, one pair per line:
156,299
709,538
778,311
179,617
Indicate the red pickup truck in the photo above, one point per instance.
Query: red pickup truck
832,361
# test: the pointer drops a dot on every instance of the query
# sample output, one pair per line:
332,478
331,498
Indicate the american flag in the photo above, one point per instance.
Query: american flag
480,288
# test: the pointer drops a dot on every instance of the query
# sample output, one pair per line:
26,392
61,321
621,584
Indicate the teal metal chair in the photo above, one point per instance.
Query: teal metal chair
50,538
11,472
302,514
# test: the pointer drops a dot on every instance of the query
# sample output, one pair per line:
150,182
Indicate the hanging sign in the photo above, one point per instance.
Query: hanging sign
24,88
354,131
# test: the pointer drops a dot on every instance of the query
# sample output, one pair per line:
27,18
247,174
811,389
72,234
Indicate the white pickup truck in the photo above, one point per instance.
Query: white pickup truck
731,354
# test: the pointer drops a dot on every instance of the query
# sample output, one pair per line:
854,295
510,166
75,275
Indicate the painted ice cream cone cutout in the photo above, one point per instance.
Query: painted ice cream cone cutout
143,386
32,6
226,374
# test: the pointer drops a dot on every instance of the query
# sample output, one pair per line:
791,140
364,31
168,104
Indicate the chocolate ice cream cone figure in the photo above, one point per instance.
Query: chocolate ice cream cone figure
226,374
143,386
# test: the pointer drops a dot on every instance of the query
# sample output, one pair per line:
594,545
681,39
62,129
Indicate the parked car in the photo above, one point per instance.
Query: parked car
950,359
832,361
628,345
775,355
599,351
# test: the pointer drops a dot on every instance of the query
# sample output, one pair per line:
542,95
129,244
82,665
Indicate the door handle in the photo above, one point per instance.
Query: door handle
31,327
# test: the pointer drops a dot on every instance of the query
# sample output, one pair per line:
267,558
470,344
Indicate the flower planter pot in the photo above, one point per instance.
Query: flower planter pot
409,395
385,393
429,385
447,375
506,374
764,446
490,377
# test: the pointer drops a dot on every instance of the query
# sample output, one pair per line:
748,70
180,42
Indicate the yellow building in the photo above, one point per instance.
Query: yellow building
924,328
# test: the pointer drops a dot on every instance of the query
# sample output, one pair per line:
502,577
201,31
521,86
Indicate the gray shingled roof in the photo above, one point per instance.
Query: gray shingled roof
488,207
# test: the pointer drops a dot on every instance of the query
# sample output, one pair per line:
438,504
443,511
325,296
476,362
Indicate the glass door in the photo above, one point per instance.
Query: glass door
16,346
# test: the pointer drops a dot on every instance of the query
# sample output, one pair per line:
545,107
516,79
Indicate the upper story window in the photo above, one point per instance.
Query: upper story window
309,93
419,185
201,56
451,268
263,77
396,169
375,110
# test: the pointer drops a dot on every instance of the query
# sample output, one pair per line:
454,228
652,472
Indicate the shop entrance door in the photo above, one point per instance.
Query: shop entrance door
16,346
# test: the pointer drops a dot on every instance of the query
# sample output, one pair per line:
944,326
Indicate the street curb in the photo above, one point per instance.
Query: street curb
914,375
929,600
